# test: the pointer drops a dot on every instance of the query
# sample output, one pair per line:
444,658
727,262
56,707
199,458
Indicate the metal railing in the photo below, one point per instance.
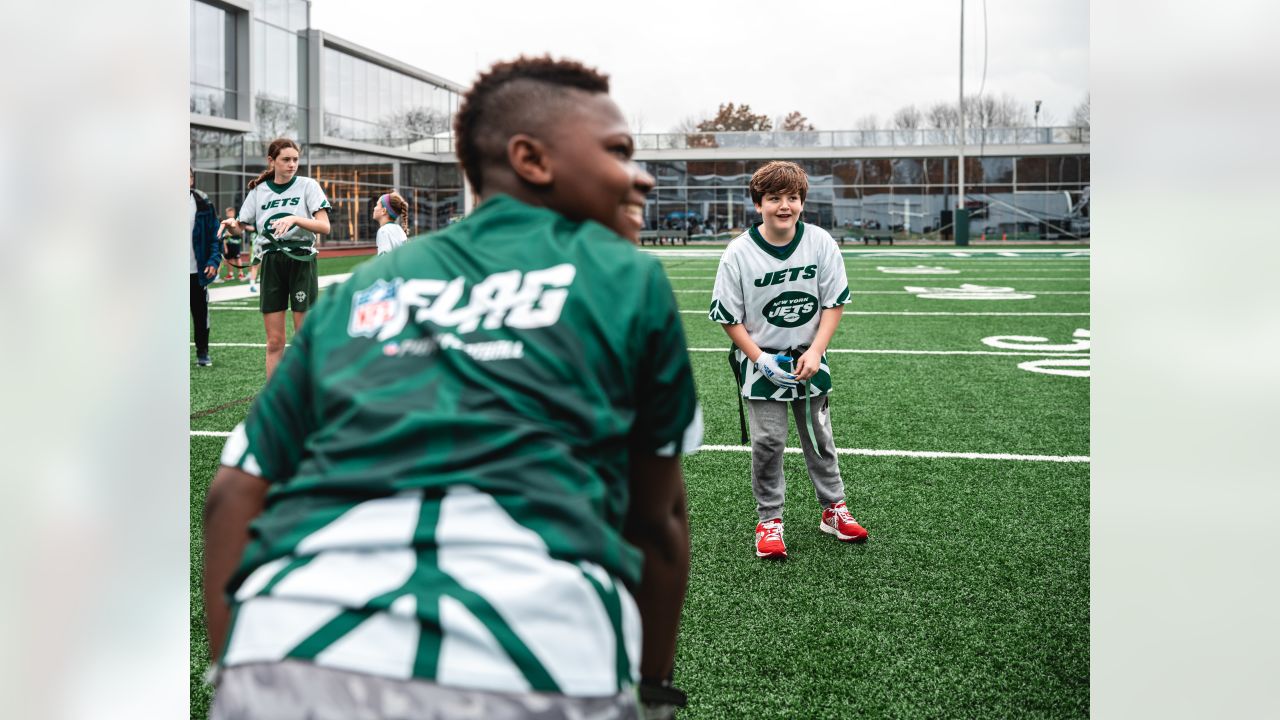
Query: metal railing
833,139
861,138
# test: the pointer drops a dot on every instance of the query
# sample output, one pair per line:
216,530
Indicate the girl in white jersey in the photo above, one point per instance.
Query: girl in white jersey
288,211
391,212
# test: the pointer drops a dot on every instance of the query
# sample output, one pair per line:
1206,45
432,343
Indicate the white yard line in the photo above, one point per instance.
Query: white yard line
249,345
930,287
1040,353
899,277
977,314
917,454
925,454
829,350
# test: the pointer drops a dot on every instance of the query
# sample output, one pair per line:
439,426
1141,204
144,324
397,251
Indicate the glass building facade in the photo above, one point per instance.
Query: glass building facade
369,103
214,88
369,124
1026,197
379,128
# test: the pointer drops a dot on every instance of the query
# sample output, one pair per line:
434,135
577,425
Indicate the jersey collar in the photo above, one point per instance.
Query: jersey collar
784,252
277,189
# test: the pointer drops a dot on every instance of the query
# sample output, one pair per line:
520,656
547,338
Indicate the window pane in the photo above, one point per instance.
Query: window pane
347,81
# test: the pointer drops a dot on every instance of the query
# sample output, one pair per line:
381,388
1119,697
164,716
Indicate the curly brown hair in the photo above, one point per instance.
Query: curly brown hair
515,96
779,176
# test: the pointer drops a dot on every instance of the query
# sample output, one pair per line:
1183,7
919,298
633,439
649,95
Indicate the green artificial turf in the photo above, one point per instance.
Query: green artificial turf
971,598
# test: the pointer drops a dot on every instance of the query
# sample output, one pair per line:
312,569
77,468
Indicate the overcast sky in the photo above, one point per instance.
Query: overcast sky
833,60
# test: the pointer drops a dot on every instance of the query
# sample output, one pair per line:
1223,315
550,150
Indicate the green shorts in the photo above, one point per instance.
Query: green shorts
287,284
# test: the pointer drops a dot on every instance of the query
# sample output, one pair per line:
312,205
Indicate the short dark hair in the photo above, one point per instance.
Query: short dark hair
779,176
512,97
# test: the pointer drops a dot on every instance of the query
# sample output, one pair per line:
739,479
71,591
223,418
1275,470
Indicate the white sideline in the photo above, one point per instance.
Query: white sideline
926,454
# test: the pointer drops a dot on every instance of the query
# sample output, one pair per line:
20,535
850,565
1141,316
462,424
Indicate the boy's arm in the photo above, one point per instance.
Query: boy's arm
235,498
737,332
807,365
658,525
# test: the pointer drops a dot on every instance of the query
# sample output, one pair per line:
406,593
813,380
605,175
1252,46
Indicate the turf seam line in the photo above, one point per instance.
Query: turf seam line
220,408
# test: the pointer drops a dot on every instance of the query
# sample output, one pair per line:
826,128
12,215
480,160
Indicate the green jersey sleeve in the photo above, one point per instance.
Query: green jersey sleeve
668,419
270,441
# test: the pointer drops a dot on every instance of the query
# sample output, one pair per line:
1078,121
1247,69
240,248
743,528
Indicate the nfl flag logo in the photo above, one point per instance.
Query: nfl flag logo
373,307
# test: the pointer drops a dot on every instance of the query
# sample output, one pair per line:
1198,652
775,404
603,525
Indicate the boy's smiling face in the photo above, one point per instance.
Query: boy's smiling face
589,153
780,211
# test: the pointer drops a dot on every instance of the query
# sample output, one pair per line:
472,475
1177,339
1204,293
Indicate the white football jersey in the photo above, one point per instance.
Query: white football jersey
390,237
778,294
268,201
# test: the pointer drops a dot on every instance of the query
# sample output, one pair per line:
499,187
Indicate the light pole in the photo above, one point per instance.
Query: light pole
961,217
1037,114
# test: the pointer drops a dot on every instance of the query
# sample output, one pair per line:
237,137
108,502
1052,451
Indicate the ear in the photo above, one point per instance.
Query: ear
527,156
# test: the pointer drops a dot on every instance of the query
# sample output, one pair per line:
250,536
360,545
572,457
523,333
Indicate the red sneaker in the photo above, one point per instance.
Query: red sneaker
837,521
769,539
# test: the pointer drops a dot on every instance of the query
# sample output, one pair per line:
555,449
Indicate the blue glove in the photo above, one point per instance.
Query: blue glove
768,366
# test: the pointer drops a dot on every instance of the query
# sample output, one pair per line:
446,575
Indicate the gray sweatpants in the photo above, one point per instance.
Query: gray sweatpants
296,690
768,419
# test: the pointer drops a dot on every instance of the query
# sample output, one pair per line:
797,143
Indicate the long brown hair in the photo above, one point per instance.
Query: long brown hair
400,208
272,151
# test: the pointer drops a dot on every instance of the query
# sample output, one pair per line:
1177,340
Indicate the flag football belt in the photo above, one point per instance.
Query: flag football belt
794,353
304,253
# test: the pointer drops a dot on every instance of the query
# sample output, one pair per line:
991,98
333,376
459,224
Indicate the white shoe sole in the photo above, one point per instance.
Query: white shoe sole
839,535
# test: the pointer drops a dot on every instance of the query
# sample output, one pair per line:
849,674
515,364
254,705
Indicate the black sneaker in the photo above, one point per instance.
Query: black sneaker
203,360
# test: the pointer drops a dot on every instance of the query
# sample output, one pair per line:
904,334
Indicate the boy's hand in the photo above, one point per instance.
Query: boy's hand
807,365
768,366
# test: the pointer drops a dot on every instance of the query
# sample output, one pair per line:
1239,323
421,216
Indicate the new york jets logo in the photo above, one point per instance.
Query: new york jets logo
266,231
790,309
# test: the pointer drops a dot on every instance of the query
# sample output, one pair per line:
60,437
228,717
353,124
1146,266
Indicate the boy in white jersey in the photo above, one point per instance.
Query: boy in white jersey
288,211
779,293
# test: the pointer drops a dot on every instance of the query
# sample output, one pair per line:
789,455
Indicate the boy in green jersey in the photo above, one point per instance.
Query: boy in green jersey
460,494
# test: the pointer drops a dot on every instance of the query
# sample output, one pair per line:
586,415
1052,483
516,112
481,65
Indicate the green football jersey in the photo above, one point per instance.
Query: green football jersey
448,443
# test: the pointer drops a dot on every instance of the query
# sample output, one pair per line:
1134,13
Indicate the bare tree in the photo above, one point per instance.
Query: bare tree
1080,116
795,122
907,118
942,115
688,124
867,122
